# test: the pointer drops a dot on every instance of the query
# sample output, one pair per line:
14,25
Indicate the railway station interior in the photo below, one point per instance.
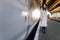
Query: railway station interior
19,20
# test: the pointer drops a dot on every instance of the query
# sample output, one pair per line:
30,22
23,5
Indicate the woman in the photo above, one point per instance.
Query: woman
43,21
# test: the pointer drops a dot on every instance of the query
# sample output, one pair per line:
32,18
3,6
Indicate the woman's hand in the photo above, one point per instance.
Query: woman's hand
40,19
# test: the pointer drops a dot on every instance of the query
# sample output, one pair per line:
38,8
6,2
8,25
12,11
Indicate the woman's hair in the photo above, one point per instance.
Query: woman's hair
44,8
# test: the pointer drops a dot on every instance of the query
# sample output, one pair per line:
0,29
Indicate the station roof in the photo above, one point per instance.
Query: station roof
52,5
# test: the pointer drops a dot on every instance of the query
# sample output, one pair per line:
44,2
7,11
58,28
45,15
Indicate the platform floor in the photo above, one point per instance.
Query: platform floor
53,31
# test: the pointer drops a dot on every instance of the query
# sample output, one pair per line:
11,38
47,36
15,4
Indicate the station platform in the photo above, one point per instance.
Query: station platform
53,31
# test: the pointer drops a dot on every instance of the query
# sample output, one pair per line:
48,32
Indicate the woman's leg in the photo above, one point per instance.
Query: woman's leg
44,29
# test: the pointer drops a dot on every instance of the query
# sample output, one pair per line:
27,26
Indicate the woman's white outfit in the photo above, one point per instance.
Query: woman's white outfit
43,17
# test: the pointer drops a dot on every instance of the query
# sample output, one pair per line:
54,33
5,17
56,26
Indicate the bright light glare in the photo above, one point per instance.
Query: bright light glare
36,14
24,13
